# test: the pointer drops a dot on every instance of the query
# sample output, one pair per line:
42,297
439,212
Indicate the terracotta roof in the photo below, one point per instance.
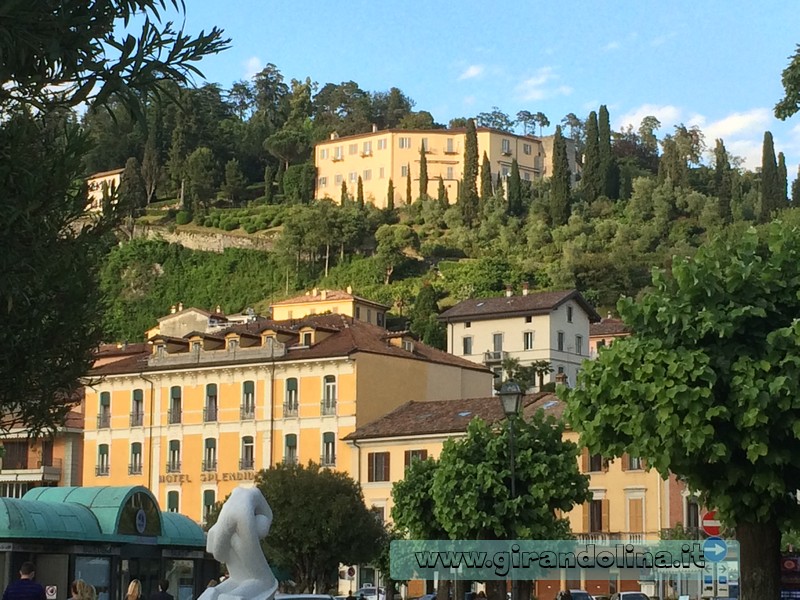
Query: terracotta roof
109,350
533,303
330,295
434,131
205,313
348,336
449,416
105,173
609,327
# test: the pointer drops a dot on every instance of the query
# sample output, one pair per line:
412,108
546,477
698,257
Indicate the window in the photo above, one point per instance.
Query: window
381,173
449,173
526,176
369,315
560,341
467,324
16,455
338,179
248,400
248,461
404,171
578,344
506,172
290,449
233,345
353,177
526,148
635,515
352,149
569,314
634,463
135,466
497,342
412,455
209,500
290,400
102,469
466,344
358,312
104,414
367,148
328,458
527,340
601,344
380,513
379,319
692,514
196,347
174,405
174,459
329,395
172,502
47,453
338,153
307,338
210,409
382,144
529,319
595,463
367,175
506,146
450,146
323,153
596,515
497,373
404,142
378,466
323,182
425,144
210,455
137,408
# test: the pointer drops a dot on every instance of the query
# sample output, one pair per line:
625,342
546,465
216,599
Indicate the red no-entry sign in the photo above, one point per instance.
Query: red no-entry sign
710,523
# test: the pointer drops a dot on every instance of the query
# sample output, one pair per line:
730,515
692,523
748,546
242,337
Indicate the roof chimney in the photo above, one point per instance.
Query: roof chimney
173,309
349,289
314,292
219,309
609,315
334,136
524,288
374,128
324,294
509,290
180,306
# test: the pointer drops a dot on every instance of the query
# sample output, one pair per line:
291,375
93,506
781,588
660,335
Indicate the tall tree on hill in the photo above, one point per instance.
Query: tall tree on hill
469,192
592,178
360,193
527,120
770,192
671,164
345,197
783,183
541,120
151,168
441,196
498,186
560,181
514,207
722,181
408,184
132,194
423,173
390,196
609,171
201,179
269,184
235,183
577,131
796,189
486,179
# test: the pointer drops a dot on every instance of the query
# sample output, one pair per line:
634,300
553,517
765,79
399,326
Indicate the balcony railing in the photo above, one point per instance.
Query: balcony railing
635,537
247,464
102,470
174,416
210,414
247,411
103,421
327,460
137,419
290,409
494,357
209,464
290,460
173,466
328,406
135,469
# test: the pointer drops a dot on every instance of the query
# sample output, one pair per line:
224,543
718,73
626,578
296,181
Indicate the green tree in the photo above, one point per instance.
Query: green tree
151,169
486,180
424,321
496,119
360,193
526,119
714,358
408,185
783,183
671,165
609,171
345,197
390,196
542,121
790,103
235,183
514,207
560,182
796,189
132,191
298,183
576,131
423,173
722,181
469,189
770,186
269,184
393,243
201,176
591,180
441,195
647,133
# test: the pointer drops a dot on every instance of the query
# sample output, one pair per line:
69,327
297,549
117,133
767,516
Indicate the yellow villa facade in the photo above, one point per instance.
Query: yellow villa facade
203,409
102,183
317,302
379,156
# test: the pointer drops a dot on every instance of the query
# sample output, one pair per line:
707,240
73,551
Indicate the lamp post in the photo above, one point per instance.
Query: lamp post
511,399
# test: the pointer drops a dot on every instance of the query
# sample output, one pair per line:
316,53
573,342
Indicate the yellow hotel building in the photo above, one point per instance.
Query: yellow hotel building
209,403
629,503
379,156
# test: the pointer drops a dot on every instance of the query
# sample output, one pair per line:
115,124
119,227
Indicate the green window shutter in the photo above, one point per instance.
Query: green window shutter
291,440
328,437
138,396
211,443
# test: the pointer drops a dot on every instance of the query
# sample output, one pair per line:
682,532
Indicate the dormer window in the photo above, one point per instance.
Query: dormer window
233,344
307,338
160,349
408,345
196,346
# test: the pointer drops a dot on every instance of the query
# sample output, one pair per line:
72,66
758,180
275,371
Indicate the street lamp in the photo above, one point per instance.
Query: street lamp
511,398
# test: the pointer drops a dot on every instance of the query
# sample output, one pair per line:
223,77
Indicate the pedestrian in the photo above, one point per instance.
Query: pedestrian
134,590
25,588
82,590
162,594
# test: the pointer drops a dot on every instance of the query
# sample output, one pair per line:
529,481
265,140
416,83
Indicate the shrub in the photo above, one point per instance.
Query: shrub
230,224
208,222
251,227
183,218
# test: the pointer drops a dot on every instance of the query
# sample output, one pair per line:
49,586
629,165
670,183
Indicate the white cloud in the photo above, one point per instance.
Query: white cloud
750,122
469,100
252,66
537,88
611,46
666,113
471,72
660,40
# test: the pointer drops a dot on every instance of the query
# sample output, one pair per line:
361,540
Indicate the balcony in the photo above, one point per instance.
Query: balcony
209,465
174,416
210,414
328,406
102,470
290,409
327,460
19,469
135,469
247,411
494,357
173,466
103,421
137,419
598,536
247,464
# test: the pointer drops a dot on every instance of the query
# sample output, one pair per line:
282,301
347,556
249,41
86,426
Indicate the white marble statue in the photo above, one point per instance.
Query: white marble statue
234,539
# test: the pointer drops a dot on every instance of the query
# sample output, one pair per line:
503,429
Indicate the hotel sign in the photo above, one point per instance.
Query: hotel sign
210,477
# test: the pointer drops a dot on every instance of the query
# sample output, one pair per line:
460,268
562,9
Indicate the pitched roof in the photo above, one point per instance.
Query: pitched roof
609,327
533,303
330,295
449,416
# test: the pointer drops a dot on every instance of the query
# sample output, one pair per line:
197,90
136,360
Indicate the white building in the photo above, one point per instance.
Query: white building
551,326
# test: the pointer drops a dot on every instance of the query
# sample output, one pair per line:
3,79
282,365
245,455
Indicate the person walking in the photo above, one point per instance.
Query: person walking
134,590
82,590
25,588
162,594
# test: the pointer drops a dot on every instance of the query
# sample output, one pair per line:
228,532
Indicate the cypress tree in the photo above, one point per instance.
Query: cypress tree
360,193
345,197
560,181
591,180
408,184
279,176
423,173
442,199
269,183
783,182
609,171
469,191
722,181
486,179
770,192
671,165
390,196
796,189
514,207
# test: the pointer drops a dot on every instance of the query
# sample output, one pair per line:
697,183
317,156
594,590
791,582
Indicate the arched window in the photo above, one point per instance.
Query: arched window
328,449
290,402
329,395
248,408
137,408
102,469
210,410
247,461
210,455
174,460
290,449
174,405
135,466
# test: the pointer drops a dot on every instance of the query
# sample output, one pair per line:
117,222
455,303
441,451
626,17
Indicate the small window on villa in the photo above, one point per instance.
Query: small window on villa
172,502
529,319
569,314
358,312
468,324
595,463
560,340
379,317
466,343
527,340
196,346
307,339
233,344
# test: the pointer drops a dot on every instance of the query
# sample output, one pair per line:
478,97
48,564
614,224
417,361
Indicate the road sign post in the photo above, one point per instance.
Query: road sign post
711,524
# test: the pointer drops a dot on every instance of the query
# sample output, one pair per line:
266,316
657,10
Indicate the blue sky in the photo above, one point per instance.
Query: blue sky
716,64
